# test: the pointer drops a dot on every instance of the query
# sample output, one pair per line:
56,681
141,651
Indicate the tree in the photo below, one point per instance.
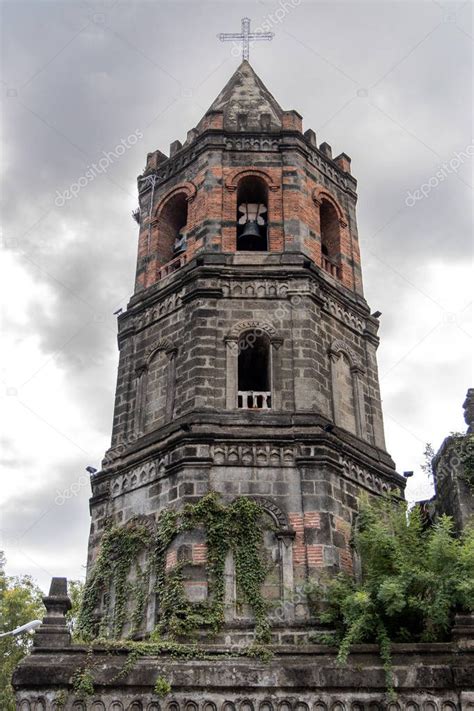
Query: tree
20,602
414,580
75,592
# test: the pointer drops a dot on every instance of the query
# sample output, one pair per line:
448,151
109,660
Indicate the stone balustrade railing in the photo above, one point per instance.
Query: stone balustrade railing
254,400
171,266
330,267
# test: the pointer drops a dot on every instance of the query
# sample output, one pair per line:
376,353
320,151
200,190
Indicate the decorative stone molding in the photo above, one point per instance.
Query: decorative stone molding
231,185
339,346
253,143
278,515
100,488
164,344
156,312
243,326
348,317
375,701
140,519
257,142
253,455
138,476
254,289
367,478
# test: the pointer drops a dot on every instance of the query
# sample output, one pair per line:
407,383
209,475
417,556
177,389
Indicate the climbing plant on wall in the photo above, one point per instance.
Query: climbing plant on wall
414,579
236,528
120,548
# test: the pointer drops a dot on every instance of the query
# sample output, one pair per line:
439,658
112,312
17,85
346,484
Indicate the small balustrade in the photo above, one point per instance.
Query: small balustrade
331,267
171,266
254,400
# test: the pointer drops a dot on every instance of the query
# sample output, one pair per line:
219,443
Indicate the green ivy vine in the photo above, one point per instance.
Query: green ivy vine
162,687
236,527
463,445
120,547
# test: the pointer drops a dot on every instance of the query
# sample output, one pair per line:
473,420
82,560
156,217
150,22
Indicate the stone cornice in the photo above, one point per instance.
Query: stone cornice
298,434
187,284
274,142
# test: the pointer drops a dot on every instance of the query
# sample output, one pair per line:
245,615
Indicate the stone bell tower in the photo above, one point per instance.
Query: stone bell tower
247,352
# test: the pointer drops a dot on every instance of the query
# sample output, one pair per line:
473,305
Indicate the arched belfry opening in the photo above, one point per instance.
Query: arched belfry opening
330,236
252,215
254,372
172,223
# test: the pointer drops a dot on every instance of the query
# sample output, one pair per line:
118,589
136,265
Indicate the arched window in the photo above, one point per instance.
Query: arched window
252,215
254,372
172,228
330,238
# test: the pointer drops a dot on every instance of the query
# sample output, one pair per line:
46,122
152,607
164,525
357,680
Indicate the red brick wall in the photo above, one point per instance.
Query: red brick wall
295,197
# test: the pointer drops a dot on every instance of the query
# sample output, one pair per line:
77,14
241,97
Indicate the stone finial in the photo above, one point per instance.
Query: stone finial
154,159
191,136
468,406
292,121
175,147
463,631
54,631
211,120
311,137
326,149
344,162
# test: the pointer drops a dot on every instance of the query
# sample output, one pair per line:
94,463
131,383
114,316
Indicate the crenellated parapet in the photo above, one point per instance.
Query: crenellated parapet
190,201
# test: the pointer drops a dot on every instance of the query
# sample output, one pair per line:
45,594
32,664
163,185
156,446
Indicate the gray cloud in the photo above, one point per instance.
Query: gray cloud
80,77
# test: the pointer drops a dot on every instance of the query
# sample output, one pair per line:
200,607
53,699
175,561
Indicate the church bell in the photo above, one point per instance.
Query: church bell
253,222
251,229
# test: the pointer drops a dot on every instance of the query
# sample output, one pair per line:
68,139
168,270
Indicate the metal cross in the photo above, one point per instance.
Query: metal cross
245,36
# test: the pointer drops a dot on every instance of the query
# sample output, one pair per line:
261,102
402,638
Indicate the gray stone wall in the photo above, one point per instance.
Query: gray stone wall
195,311
310,455
454,496
427,678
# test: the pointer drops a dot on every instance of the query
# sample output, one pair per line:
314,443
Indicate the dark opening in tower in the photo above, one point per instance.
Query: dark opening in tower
172,228
252,215
254,368
330,237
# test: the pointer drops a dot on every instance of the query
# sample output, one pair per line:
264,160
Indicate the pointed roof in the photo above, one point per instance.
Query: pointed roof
245,99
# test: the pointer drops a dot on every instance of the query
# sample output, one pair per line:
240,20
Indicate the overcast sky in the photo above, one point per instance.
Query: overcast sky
387,82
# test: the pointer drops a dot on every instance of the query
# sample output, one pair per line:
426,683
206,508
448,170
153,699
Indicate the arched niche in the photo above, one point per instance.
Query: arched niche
347,389
277,555
155,388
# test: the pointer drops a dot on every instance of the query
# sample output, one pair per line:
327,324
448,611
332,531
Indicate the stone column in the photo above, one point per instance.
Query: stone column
232,352
276,384
54,632
170,391
286,538
141,377
334,357
359,409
